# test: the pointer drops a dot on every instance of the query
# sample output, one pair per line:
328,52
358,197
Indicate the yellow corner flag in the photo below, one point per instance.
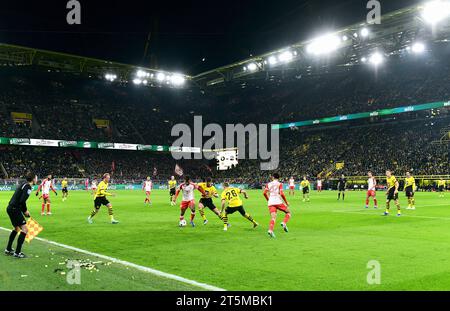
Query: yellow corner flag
34,228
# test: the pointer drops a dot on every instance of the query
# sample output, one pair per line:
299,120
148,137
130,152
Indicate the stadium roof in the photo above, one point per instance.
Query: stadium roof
395,35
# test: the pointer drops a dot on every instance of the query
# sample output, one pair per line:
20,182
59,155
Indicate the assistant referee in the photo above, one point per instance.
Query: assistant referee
17,211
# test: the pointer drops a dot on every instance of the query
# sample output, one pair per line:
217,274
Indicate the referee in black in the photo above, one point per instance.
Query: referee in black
17,211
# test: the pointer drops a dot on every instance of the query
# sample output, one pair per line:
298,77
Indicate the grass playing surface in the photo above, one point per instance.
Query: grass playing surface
328,247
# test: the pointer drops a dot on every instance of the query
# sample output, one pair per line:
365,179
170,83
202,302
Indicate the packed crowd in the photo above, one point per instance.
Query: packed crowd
64,107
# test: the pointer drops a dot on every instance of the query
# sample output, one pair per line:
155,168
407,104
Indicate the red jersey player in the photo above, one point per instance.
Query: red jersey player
291,186
371,190
276,200
147,187
45,187
319,185
188,201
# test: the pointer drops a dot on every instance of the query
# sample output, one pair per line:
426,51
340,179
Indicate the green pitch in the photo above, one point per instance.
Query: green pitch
328,247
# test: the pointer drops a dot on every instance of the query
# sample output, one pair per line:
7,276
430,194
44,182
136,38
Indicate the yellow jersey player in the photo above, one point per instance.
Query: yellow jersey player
100,199
207,201
392,193
233,202
64,189
172,189
410,188
441,187
305,188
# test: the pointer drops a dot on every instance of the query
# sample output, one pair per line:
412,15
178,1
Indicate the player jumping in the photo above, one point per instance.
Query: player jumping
276,201
100,199
392,193
207,201
188,201
233,202
45,187
371,190
147,187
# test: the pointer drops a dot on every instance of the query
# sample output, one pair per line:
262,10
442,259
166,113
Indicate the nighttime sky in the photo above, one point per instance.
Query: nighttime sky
183,32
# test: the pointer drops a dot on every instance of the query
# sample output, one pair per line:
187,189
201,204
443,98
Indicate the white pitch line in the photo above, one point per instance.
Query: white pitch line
132,265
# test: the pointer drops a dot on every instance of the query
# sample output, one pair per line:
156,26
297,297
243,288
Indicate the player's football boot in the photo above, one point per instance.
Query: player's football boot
205,221
9,253
385,214
399,215
285,228
89,220
375,207
49,213
20,255
271,234
114,222
255,224
192,224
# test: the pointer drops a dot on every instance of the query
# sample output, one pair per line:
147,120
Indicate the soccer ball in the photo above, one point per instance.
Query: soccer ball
183,223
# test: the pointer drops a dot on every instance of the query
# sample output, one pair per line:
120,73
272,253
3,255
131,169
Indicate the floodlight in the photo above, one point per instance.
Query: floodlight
252,67
137,81
324,45
364,32
418,48
177,80
272,60
376,59
286,56
160,76
364,59
436,11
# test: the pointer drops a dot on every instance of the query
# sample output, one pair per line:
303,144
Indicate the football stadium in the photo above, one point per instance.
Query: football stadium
320,164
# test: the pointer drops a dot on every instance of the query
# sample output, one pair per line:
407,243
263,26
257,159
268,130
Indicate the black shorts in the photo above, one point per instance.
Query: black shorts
409,192
172,191
64,190
305,190
208,202
392,195
341,189
16,216
100,201
441,188
232,210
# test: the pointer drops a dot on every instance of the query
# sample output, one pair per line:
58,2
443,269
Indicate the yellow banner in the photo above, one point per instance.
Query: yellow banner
100,123
340,165
21,116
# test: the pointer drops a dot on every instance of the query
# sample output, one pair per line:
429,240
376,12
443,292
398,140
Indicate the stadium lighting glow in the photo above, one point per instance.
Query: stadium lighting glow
376,59
137,81
418,48
324,45
160,76
272,60
344,38
286,56
144,82
110,77
364,60
436,11
177,80
364,32
252,67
